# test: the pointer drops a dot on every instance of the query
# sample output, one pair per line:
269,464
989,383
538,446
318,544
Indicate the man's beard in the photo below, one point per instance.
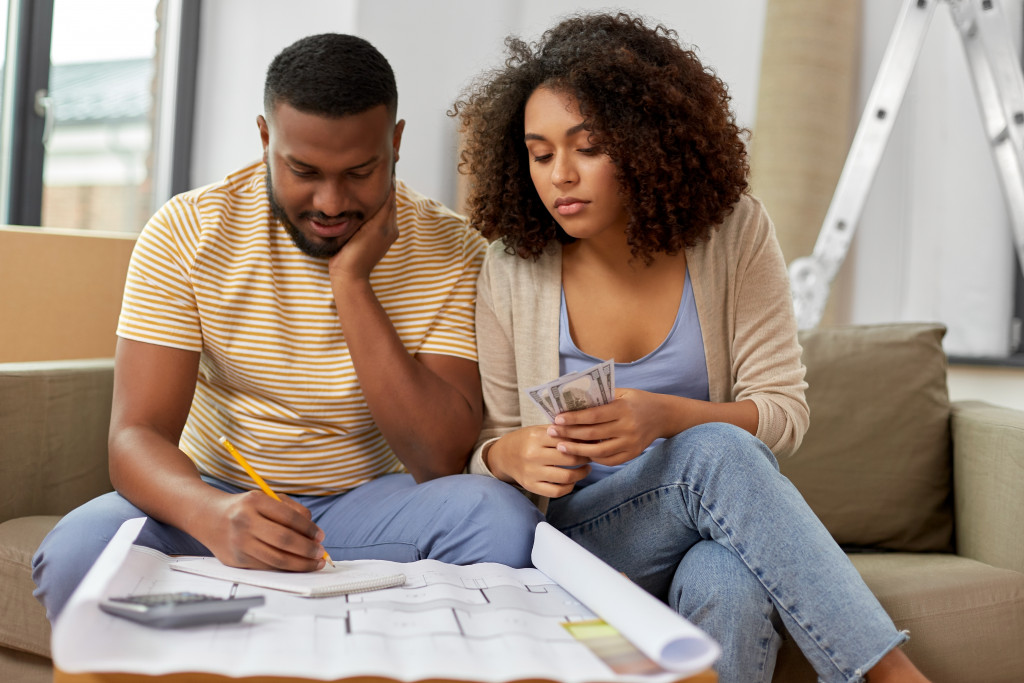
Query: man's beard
317,249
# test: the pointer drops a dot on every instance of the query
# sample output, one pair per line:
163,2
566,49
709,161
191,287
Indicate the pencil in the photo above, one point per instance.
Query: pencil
258,479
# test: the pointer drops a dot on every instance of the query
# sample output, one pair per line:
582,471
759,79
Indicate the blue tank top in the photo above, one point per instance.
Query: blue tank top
677,367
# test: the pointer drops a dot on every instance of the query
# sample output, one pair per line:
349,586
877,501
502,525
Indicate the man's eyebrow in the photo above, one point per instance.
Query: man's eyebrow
299,162
369,162
581,126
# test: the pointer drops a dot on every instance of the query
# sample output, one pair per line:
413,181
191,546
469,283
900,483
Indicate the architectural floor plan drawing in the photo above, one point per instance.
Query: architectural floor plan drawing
483,622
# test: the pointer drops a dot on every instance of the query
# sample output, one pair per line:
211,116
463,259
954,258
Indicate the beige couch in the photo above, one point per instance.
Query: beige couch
53,457
927,497
878,465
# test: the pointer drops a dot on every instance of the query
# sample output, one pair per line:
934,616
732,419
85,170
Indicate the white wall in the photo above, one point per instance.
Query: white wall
237,40
436,49
1000,385
933,243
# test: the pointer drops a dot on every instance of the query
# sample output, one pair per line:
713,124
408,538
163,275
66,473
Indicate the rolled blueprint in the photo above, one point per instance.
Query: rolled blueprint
651,625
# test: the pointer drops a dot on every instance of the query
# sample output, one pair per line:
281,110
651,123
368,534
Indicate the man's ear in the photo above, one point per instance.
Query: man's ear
396,140
261,123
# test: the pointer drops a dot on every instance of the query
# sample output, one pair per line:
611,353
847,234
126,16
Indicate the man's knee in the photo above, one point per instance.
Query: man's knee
68,552
494,503
65,555
492,520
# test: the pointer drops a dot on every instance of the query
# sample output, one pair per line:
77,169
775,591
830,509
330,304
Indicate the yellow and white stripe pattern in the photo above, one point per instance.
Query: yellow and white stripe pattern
213,272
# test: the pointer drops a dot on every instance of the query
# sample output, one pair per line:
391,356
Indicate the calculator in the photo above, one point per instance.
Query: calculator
174,610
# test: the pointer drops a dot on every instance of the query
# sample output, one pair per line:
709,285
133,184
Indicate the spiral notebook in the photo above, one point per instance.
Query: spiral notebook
324,583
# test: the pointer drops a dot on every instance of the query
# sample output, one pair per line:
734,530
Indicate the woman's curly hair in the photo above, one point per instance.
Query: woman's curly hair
651,105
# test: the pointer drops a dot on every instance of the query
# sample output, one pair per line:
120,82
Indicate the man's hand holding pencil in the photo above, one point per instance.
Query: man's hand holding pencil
264,530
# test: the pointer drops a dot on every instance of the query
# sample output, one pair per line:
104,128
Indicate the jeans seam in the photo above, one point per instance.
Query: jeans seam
765,642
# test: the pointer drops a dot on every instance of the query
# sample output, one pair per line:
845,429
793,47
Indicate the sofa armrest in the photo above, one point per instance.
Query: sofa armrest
54,419
988,482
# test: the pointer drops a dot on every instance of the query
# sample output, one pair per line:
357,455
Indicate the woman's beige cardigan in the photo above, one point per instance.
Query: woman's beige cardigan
741,289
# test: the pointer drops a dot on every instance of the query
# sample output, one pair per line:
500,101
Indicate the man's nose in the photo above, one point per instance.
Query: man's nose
331,198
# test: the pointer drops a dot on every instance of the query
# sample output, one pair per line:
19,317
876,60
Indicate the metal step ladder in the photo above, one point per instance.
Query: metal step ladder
995,69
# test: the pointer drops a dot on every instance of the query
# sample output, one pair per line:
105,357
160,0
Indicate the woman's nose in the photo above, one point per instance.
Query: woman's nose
563,171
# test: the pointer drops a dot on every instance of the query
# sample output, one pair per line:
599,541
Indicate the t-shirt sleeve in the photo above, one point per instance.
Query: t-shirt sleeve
159,304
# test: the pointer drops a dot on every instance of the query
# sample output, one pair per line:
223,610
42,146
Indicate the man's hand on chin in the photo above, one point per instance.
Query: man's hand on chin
367,246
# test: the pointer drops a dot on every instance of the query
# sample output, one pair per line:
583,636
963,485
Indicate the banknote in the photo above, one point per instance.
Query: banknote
540,396
594,386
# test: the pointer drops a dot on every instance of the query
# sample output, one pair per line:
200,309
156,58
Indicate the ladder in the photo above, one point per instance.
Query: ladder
999,88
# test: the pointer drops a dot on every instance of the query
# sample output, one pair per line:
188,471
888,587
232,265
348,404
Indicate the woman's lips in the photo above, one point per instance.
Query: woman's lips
567,206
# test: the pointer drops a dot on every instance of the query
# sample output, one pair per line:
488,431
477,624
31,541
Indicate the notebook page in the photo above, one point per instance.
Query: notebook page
326,582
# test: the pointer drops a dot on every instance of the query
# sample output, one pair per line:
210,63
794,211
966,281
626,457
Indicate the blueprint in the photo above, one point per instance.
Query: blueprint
483,622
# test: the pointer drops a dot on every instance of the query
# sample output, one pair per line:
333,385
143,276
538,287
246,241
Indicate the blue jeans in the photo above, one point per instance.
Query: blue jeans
706,522
460,519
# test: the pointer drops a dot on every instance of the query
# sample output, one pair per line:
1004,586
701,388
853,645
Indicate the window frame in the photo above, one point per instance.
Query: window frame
27,70
22,122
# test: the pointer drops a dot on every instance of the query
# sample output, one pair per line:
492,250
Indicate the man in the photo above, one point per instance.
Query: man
318,314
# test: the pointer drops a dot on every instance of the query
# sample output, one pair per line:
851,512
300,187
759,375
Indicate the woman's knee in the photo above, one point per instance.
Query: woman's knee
722,445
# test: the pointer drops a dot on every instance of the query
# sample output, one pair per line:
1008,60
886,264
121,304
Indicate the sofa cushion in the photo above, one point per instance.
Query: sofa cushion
54,418
24,625
875,464
965,618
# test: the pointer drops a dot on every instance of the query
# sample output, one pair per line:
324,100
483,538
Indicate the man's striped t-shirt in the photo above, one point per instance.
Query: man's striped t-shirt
213,272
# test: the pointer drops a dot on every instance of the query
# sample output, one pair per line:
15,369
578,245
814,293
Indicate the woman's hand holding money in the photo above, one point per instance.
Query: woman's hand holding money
530,458
617,432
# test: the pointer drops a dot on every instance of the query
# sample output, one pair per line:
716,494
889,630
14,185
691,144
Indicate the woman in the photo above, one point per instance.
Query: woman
612,179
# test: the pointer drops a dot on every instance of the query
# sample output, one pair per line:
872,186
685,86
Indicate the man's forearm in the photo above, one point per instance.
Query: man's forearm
429,423
155,476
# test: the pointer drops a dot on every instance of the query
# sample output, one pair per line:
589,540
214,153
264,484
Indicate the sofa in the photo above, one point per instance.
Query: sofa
927,497
54,418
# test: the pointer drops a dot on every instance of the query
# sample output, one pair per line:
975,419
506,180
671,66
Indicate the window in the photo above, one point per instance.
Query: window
98,111
4,11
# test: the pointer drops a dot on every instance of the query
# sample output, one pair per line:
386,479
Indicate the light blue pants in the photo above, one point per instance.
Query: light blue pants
461,519
706,522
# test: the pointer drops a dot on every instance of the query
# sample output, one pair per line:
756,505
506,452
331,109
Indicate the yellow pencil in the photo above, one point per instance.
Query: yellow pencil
258,479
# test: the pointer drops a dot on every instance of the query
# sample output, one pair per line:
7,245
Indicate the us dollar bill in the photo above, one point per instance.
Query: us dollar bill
540,396
594,386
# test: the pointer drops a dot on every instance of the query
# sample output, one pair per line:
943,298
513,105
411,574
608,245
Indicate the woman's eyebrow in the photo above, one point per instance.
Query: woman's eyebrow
582,125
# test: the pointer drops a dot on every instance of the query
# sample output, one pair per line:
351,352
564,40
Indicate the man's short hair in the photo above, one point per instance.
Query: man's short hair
330,74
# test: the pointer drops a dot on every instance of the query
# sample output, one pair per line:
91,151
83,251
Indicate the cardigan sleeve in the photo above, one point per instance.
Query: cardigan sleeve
513,347
765,351
496,354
